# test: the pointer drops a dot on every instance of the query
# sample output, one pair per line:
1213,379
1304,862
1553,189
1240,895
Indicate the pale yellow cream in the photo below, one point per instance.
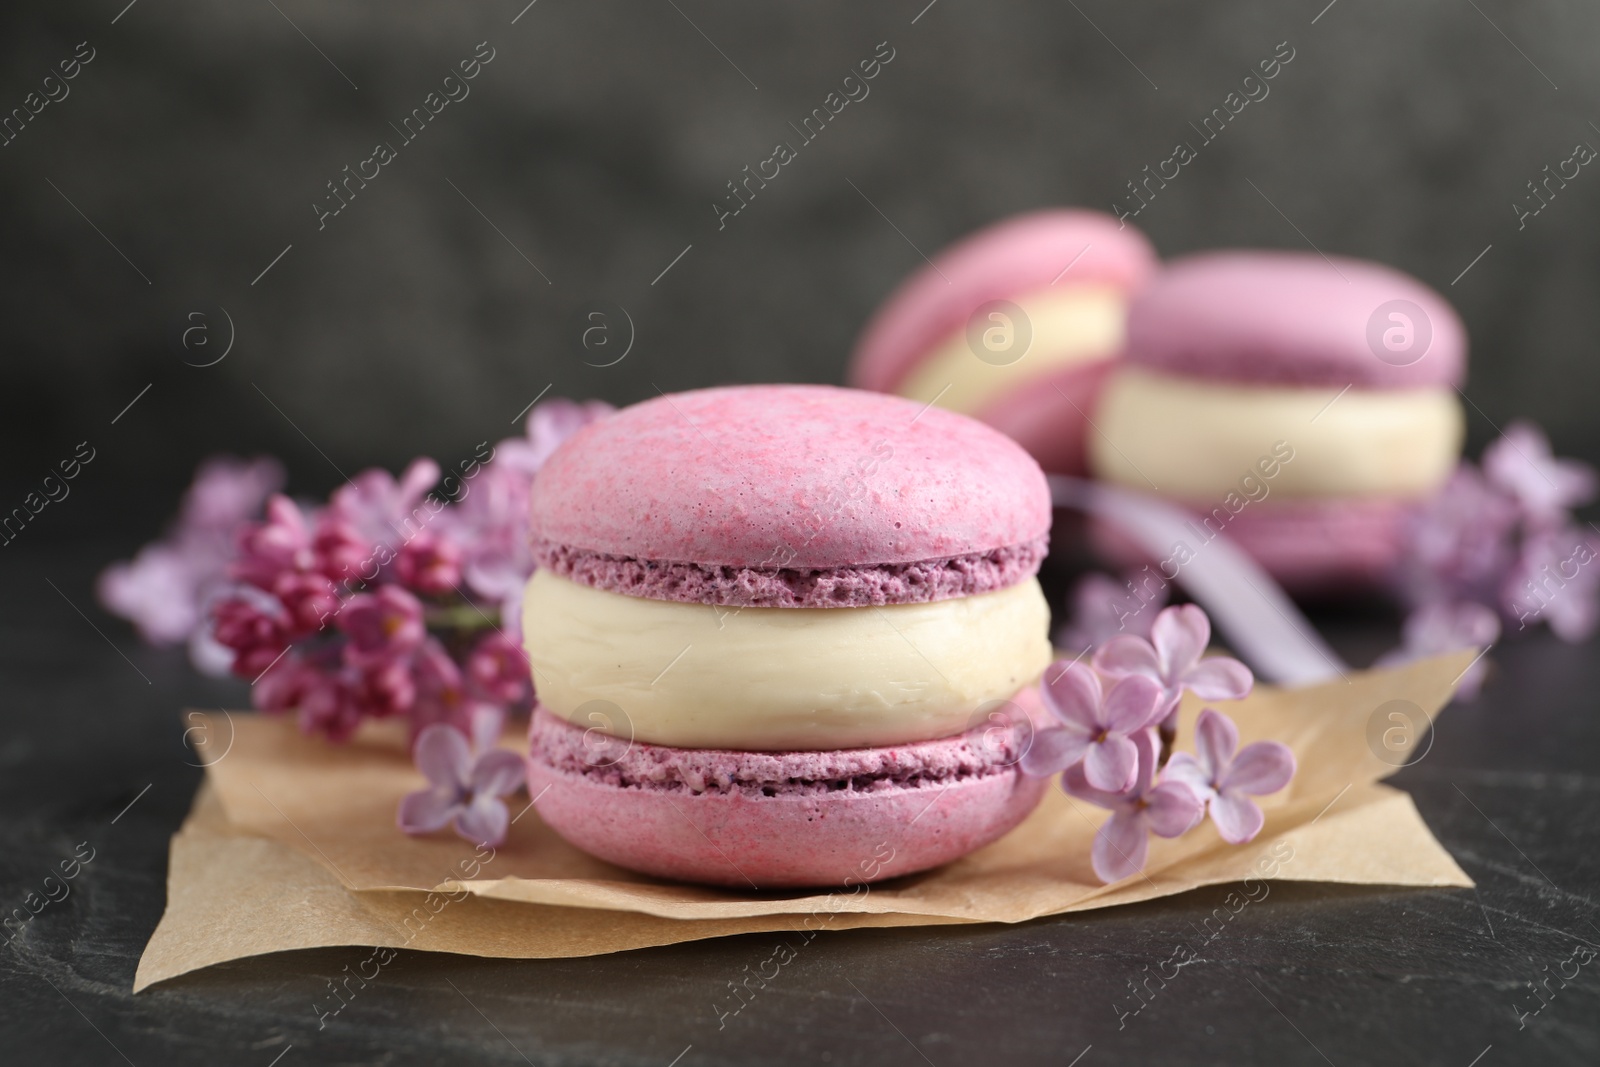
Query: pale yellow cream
698,676
1196,439
1070,325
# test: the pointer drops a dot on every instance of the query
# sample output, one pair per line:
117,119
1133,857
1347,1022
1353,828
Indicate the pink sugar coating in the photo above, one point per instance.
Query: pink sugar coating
789,477
774,820
1013,257
842,587
1288,318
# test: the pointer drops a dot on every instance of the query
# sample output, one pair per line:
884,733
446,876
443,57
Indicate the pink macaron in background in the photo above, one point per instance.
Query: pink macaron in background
1302,405
1015,325
768,631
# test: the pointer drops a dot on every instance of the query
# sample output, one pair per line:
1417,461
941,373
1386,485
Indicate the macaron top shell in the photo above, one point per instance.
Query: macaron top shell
1019,255
1290,318
788,476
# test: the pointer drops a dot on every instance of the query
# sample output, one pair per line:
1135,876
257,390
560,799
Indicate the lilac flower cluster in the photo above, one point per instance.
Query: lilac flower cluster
167,589
1499,544
1109,744
367,606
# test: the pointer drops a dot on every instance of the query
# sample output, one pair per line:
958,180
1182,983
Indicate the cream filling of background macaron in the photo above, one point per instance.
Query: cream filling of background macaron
770,679
1073,324
1195,439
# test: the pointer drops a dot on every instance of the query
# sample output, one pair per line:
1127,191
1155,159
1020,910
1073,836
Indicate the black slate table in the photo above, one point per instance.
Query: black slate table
91,751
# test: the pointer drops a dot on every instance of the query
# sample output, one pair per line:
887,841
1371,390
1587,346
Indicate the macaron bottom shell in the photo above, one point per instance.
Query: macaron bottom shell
812,837
1313,547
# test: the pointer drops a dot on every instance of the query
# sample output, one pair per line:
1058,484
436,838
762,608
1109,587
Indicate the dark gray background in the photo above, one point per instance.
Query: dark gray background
597,140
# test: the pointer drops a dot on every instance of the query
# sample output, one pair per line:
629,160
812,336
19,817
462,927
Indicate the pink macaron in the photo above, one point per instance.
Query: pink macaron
1015,325
1302,405
750,627
792,496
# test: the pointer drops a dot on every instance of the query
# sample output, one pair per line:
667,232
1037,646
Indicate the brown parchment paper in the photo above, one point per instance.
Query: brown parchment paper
292,844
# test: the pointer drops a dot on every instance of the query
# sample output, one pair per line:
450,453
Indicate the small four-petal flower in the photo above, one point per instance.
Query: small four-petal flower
1166,809
464,790
1226,776
1093,727
1172,658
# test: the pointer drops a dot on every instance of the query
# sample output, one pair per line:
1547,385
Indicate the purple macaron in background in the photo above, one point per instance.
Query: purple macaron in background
1303,405
769,629
1016,325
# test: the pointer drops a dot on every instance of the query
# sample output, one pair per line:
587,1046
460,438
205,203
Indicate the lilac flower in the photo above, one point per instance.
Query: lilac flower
227,491
1519,463
158,591
485,724
549,424
309,600
387,687
1167,809
282,542
491,525
441,693
430,564
1504,539
381,625
1172,658
381,509
1438,628
255,629
208,655
323,693
1092,727
319,605
167,588
329,702
464,789
1461,543
285,685
1225,780
1554,580
341,553
491,522
1103,607
498,669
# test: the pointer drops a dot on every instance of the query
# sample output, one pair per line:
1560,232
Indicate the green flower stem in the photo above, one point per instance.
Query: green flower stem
456,617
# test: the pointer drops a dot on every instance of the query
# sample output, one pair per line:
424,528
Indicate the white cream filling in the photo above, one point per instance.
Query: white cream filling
770,679
1073,324
1196,439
